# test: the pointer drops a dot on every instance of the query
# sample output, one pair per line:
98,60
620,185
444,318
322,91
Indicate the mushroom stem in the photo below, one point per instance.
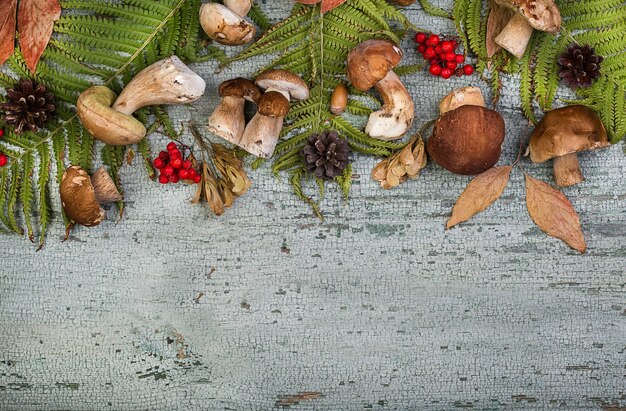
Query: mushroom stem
168,81
104,188
228,119
515,36
567,170
396,115
261,135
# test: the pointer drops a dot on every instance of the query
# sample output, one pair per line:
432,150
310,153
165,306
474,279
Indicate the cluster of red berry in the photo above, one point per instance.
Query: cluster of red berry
173,168
444,61
3,157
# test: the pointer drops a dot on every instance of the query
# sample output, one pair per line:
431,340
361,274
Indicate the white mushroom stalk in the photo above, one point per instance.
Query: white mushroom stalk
167,81
542,15
225,26
397,113
262,132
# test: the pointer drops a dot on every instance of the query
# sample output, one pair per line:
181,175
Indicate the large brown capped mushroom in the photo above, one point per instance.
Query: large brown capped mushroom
370,64
467,140
82,195
228,120
561,134
542,15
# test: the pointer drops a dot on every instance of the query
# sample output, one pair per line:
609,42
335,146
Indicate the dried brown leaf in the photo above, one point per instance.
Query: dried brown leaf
328,5
35,21
379,172
479,194
7,28
287,400
554,214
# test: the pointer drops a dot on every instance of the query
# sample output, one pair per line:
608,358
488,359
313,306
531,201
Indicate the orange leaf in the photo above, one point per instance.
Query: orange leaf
479,194
553,213
7,29
35,21
328,5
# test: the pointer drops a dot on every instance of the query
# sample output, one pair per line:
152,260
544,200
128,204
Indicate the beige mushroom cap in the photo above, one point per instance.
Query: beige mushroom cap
103,122
285,81
565,131
78,197
542,15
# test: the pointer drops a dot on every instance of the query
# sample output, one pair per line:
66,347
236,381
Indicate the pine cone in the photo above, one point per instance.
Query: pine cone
28,107
580,66
326,155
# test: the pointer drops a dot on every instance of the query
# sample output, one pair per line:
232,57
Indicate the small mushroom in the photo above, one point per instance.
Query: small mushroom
467,140
285,82
561,134
225,25
262,132
228,119
542,15
370,64
241,7
464,96
81,195
339,99
109,118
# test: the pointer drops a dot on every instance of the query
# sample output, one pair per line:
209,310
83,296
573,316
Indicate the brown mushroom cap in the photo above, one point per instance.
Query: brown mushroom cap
79,199
567,130
273,104
370,61
240,87
542,15
285,81
467,140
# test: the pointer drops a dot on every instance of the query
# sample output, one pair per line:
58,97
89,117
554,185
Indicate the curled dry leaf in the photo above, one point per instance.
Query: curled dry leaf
35,21
553,213
479,194
403,164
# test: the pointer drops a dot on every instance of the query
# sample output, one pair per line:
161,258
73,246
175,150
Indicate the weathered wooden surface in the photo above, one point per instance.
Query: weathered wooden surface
377,307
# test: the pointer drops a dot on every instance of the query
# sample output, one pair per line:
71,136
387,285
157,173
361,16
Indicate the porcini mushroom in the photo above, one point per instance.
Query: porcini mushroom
464,96
262,132
228,119
81,195
225,25
542,15
109,118
168,81
467,140
285,82
370,64
561,134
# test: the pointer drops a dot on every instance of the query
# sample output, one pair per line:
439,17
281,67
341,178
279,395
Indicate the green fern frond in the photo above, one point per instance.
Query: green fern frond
315,46
599,23
99,42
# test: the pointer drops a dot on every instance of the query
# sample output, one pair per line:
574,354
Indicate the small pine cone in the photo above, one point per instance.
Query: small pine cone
29,106
580,66
326,155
